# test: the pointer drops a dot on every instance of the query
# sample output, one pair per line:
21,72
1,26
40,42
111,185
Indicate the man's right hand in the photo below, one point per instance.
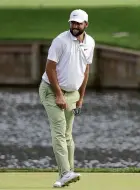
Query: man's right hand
61,102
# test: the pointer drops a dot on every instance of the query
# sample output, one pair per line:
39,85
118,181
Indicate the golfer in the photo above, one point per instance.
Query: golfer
62,90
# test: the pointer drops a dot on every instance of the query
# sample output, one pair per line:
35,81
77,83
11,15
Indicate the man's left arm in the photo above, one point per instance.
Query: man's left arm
84,84
83,87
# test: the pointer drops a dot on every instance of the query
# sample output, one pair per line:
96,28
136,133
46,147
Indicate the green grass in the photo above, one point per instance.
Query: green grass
83,170
38,22
44,181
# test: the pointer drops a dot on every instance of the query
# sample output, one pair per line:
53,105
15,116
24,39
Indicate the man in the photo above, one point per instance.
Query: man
63,88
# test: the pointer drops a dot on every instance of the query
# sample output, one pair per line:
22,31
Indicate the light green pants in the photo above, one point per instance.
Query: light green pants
61,122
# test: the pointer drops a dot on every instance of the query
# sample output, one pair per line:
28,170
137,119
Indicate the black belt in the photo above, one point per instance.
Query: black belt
64,91
45,81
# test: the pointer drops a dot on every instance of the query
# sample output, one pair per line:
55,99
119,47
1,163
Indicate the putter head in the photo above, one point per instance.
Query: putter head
77,111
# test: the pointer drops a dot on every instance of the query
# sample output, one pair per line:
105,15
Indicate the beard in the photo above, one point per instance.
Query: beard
76,32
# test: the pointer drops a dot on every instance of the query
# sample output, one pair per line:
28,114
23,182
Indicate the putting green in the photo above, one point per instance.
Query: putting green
60,3
89,181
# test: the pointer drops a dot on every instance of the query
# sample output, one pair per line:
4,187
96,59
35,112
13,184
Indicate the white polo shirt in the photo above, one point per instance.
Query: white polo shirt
71,59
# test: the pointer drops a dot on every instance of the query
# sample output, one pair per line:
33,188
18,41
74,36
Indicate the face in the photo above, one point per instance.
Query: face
77,28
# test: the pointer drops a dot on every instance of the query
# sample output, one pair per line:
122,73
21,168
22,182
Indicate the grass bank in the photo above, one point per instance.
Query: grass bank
83,170
116,26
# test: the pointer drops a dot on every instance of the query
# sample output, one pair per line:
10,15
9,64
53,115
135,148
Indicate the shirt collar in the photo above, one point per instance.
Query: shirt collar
74,38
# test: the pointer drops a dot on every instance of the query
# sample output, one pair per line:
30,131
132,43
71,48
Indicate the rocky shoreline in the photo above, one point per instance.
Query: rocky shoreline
107,134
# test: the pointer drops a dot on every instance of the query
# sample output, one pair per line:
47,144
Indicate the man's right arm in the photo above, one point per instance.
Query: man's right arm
54,56
52,76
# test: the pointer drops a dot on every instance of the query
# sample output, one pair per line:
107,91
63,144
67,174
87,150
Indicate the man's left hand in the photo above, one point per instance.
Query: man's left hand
79,103
77,110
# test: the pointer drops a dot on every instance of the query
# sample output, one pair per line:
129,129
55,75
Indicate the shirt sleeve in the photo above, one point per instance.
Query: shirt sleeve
90,60
55,50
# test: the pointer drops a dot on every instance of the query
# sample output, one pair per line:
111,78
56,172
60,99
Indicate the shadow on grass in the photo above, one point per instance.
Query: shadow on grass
45,24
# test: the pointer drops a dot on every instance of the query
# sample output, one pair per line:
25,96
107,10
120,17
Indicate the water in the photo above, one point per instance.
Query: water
107,134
